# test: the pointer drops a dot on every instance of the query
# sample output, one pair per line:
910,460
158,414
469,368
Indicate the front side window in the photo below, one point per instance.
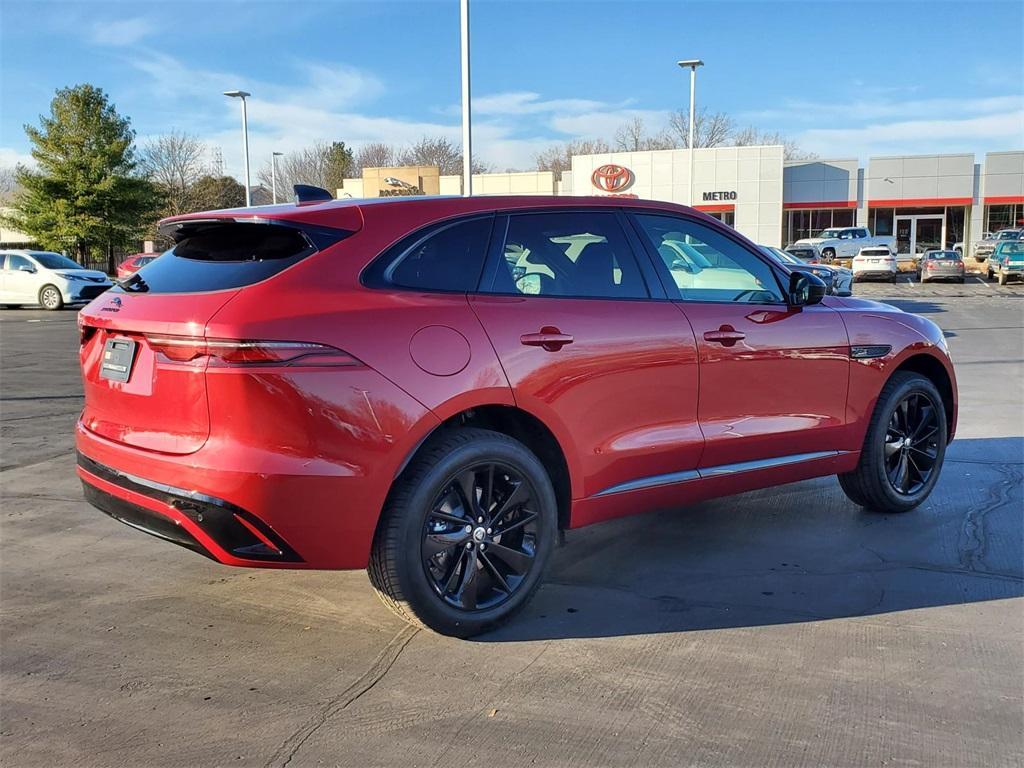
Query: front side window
570,254
19,262
705,265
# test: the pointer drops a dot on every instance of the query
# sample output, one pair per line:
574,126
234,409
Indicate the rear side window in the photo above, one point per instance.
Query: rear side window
569,254
214,257
444,257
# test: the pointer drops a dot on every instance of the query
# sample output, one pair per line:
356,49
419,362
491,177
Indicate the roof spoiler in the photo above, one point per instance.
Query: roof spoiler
306,194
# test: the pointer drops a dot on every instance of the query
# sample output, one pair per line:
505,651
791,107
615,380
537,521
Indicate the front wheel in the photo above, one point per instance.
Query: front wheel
904,447
50,298
467,533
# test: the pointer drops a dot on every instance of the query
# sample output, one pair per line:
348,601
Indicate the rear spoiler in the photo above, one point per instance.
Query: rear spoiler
344,216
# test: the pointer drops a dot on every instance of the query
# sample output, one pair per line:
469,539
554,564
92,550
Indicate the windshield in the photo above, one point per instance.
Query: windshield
55,261
1008,234
781,256
830,233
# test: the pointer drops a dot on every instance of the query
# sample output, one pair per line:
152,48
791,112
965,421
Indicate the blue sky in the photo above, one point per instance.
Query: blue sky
843,79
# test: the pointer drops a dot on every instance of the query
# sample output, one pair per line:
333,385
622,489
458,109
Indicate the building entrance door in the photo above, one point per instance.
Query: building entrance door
917,234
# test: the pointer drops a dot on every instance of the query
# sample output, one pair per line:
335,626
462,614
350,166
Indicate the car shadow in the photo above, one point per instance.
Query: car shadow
796,553
916,306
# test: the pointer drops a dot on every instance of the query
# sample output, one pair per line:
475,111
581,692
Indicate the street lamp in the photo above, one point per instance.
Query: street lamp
692,64
273,175
467,150
245,141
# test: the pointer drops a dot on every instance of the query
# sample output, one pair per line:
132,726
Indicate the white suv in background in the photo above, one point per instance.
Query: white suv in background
49,279
874,261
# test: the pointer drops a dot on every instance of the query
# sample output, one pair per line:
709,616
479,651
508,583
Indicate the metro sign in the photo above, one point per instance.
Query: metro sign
716,196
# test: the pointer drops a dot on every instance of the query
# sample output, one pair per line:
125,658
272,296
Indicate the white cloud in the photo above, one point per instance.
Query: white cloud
125,32
10,157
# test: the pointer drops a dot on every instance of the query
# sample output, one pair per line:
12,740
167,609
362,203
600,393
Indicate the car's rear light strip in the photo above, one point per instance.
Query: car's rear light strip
238,352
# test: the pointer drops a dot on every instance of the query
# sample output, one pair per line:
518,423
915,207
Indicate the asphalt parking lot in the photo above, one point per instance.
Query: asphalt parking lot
779,628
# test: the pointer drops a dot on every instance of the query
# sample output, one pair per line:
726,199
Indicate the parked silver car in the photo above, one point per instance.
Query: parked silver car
940,265
49,279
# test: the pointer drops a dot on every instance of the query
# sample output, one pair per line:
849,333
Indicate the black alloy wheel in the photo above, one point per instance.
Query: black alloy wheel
466,534
911,443
480,537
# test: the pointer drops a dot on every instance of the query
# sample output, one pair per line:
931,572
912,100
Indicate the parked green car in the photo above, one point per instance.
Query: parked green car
1007,261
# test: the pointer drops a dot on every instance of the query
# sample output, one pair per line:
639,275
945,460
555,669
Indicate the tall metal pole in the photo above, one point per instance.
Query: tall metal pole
692,65
693,92
467,149
245,151
273,177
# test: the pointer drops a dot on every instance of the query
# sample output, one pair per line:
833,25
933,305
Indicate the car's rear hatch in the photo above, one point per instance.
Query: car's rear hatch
144,350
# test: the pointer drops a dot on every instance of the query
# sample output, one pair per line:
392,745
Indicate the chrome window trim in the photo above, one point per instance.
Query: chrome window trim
719,471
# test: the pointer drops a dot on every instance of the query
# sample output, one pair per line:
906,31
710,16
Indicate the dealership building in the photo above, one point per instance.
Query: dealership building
925,201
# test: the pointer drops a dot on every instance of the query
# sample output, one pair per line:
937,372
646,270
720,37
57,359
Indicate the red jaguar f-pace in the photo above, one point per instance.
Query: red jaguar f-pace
433,388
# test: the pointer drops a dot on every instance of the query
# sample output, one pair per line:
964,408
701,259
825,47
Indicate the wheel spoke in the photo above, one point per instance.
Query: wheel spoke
495,572
488,500
467,592
891,448
515,559
902,472
528,517
438,514
520,494
924,423
449,583
436,543
466,482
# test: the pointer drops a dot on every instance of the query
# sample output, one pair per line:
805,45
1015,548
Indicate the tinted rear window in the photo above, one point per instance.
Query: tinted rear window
215,257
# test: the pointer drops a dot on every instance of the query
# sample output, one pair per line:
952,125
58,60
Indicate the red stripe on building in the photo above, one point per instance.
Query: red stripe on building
720,208
920,202
820,204
1004,199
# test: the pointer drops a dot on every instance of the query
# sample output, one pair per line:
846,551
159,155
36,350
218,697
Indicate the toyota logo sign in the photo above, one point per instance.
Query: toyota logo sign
611,177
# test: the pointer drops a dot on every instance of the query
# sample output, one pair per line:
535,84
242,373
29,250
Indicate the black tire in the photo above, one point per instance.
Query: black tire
990,275
12,306
399,569
869,485
50,298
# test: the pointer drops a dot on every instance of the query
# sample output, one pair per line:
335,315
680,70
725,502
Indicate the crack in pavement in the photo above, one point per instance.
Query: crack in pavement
971,545
290,746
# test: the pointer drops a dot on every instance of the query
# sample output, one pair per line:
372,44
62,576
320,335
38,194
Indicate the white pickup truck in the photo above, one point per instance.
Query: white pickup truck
846,242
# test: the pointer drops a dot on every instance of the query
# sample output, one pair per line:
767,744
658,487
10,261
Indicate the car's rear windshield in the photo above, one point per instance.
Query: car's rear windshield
952,255
1014,248
224,255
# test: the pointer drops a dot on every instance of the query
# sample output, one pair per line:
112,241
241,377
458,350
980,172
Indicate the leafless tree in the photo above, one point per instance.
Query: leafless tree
709,129
8,184
439,151
632,136
558,157
750,136
174,161
376,154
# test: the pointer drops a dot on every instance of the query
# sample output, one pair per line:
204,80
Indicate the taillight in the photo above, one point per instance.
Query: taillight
238,352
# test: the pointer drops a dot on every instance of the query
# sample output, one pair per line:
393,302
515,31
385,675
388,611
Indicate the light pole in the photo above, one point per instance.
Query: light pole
692,64
273,175
245,141
467,149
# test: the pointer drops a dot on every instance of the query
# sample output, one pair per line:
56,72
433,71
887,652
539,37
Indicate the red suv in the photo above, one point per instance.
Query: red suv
134,263
434,388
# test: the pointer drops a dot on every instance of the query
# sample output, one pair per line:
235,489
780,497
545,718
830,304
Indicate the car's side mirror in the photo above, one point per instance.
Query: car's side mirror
805,289
27,268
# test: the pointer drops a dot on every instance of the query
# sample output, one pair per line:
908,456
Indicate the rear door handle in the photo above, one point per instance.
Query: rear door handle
726,335
550,339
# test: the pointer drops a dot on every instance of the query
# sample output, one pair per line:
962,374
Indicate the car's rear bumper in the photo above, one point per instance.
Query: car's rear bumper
874,273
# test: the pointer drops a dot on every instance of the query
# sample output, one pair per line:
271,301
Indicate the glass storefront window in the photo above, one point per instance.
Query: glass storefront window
881,220
1003,216
797,225
726,217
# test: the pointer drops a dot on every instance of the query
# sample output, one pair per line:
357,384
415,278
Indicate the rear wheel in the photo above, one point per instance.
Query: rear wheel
828,254
466,534
50,297
903,449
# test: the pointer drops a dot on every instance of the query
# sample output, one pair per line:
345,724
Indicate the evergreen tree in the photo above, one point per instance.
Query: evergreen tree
85,196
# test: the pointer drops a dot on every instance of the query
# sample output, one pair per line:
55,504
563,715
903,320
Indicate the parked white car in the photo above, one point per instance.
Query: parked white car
875,262
846,242
49,279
